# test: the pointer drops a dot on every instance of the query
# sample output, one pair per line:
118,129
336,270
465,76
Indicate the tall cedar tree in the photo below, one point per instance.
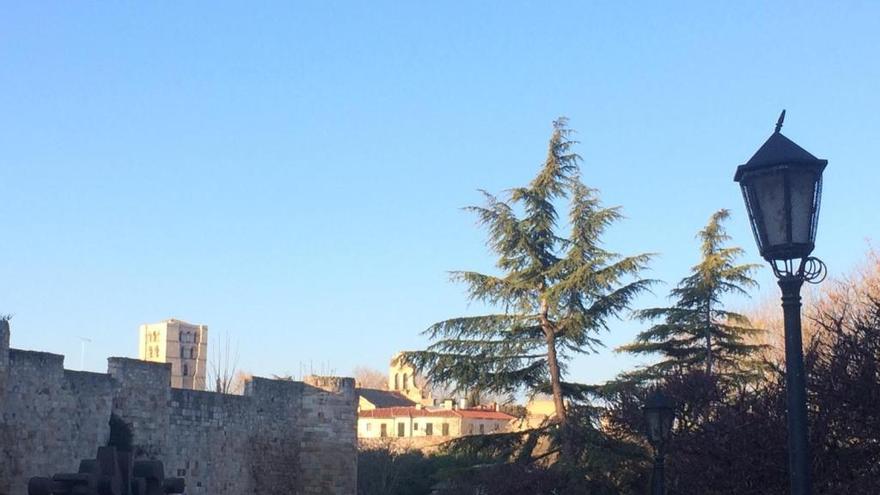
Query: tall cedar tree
697,333
554,294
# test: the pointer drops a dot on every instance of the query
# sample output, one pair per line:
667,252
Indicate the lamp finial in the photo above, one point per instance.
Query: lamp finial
779,122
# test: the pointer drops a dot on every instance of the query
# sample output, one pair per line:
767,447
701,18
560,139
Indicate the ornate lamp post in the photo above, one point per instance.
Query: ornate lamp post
659,416
782,188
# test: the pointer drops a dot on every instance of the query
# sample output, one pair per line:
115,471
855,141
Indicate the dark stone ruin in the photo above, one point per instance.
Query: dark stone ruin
111,473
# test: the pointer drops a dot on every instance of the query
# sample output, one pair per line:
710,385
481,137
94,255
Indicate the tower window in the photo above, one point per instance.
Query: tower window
185,370
192,352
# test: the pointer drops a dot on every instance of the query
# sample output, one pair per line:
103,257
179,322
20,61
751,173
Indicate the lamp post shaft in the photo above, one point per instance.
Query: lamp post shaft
795,387
658,485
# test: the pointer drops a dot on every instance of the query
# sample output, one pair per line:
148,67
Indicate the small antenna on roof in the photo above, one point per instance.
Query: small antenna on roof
779,122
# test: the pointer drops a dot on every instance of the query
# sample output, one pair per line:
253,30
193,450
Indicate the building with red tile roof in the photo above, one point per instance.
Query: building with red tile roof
418,421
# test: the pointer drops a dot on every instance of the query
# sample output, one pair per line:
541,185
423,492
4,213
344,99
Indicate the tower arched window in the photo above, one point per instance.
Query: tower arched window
405,383
396,381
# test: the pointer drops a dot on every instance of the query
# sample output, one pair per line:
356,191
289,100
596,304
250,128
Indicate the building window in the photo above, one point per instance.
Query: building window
383,430
415,427
429,429
401,429
185,370
192,352
396,381
482,429
368,427
445,428
405,378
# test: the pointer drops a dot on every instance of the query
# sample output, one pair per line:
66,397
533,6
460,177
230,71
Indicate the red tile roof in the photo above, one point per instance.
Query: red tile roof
484,414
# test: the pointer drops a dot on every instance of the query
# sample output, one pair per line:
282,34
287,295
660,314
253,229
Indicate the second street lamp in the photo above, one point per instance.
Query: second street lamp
659,415
782,189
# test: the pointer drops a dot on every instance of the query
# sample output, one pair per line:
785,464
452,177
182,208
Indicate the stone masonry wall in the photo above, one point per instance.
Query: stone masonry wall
329,455
280,437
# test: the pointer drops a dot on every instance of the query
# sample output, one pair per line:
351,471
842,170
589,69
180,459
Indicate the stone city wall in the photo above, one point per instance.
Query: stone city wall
280,437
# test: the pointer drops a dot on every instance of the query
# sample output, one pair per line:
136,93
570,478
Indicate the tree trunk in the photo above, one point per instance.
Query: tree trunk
708,352
568,451
553,363
709,339
555,382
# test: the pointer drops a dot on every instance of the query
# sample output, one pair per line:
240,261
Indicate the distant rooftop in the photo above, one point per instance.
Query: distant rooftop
384,398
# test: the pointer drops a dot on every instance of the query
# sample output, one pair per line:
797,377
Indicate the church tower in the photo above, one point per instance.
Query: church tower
403,379
183,345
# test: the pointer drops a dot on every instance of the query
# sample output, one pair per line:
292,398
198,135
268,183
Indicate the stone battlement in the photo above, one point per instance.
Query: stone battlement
280,437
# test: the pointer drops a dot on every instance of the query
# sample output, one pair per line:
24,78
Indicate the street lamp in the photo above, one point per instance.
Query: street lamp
782,189
659,413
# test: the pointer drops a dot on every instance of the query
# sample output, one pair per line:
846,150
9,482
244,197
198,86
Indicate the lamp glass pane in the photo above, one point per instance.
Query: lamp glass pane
770,195
803,188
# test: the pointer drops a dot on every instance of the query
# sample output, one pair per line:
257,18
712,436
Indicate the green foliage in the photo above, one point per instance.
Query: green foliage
731,439
554,293
696,332
529,461
386,471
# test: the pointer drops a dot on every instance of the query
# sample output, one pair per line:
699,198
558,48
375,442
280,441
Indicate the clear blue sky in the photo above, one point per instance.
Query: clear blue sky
291,173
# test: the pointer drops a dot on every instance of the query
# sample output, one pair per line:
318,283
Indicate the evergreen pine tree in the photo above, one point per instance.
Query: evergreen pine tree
554,293
696,332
